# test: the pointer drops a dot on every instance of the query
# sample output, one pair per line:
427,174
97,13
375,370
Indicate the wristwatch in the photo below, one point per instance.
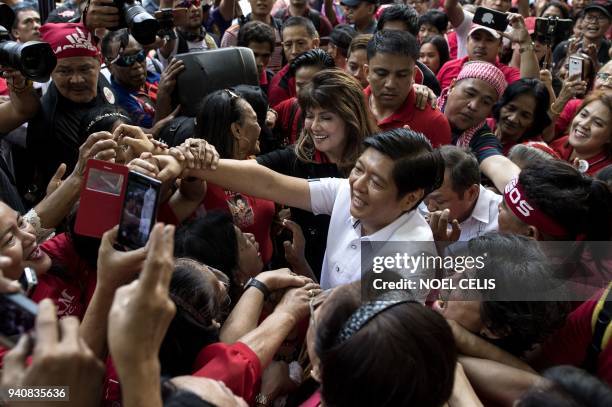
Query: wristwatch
253,282
262,399
527,47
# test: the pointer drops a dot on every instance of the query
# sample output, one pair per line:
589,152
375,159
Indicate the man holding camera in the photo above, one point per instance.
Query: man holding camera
191,36
54,134
592,41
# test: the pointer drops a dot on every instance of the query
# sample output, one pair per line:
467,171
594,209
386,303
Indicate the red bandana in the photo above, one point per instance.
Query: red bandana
69,40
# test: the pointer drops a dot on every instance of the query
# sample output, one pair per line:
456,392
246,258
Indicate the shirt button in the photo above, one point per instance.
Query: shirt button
337,268
353,246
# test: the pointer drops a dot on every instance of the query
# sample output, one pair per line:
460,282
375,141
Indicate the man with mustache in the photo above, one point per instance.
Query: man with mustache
484,44
54,134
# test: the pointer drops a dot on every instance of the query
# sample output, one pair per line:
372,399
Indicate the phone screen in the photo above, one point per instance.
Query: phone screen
575,67
18,317
139,210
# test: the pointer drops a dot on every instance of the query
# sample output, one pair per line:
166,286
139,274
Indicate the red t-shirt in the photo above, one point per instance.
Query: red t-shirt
569,345
451,69
429,121
251,215
564,120
451,39
72,290
282,86
3,87
506,147
236,365
597,163
289,114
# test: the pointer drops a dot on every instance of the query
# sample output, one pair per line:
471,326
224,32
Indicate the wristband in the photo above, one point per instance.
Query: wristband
253,282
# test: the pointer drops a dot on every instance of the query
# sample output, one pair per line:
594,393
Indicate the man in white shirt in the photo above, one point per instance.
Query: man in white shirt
461,201
376,203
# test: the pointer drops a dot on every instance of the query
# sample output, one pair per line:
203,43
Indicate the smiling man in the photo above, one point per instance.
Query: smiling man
54,135
391,98
376,203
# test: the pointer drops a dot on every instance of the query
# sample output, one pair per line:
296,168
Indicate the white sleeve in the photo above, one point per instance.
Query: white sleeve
462,31
323,192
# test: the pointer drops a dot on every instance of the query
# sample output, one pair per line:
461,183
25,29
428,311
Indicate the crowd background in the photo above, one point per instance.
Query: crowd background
390,121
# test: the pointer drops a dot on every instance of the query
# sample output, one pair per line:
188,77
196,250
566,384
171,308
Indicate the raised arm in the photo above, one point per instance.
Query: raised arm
227,9
23,103
500,170
454,11
248,177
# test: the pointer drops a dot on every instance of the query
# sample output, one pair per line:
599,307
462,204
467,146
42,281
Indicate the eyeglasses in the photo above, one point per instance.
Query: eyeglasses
189,3
603,76
595,18
129,60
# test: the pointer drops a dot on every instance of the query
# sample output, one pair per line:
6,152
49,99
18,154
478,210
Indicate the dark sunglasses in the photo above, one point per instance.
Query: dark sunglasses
189,3
129,60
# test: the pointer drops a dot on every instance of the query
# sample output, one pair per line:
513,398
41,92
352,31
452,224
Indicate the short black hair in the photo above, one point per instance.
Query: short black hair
400,12
256,31
462,166
299,21
531,87
561,6
435,18
122,35
393,42
341,36
21,7
416,164
313,57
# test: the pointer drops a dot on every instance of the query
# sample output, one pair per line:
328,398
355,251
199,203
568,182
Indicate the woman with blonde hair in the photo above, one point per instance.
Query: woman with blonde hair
336,121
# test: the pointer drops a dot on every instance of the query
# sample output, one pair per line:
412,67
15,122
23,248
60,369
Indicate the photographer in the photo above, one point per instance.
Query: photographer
191,36
592,39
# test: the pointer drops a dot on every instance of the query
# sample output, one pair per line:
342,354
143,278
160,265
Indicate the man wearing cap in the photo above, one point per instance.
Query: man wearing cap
339,43
54,134
595,25
484,44
466,104
302,9
360,14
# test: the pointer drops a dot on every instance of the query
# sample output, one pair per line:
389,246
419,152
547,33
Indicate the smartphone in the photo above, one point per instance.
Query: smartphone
18,316
575,68
139,210
553,30
491,18
28,280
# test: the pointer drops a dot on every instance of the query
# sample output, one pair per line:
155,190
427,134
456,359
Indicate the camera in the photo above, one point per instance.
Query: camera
34,59
553,29
143,26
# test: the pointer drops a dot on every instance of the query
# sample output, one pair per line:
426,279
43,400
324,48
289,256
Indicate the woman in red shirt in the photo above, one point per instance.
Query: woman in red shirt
229,123
589,141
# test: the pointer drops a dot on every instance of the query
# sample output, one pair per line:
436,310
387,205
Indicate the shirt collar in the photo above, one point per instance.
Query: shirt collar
481,209
388,231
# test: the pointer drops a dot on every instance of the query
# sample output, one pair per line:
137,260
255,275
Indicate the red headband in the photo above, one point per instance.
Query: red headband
516,200
69,40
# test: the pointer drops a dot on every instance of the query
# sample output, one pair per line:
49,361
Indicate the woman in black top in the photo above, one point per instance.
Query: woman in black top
336,121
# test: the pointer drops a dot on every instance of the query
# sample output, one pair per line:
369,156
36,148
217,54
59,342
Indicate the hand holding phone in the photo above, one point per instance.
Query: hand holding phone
17,317
576,68
491,18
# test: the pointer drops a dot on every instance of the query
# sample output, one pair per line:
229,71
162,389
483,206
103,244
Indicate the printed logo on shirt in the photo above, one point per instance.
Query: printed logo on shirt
241,210
65,304
109,95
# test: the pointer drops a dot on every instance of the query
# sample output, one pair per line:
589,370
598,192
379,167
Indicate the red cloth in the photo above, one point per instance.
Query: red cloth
313,401
282,86
71,290
254,217
564,120
289,129
451,69
597,163
569,345
429,121
451,39
69,40
3,87
236,365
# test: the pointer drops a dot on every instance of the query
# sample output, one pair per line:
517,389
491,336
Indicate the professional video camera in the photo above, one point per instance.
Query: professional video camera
143,26
34,59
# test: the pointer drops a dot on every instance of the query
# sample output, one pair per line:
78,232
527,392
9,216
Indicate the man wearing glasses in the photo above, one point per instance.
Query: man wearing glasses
595,25
135,88
191,36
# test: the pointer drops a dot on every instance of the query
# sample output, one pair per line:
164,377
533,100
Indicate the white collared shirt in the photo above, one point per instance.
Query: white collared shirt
342,262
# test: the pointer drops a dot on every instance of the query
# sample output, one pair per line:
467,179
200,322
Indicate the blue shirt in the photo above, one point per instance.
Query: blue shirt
137,104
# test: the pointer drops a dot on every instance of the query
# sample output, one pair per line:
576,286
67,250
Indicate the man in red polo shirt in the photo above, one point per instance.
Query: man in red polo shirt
391,98
484,44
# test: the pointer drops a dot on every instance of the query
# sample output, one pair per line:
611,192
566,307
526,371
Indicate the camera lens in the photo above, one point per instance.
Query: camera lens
142,25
